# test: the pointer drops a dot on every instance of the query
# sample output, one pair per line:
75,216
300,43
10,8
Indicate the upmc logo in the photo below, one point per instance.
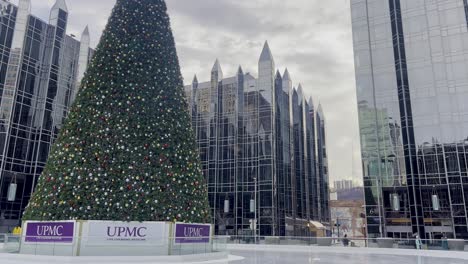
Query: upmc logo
49,230
61,232
125,233
120,231
193,231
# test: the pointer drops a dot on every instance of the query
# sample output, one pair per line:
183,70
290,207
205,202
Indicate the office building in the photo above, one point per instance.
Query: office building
412,89
39,74
263,151
344,185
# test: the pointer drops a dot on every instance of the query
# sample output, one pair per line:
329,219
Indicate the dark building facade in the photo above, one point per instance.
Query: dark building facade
39,72
258,147
412,89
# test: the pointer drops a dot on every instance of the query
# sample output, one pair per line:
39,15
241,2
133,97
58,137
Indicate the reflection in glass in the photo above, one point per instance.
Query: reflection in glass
38,75
412,91
251,137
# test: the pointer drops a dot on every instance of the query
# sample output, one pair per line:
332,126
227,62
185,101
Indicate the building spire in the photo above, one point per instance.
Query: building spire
320,110
85,35
85,31
286,75
299,88
60,4
55,12
300,94
266,53
311,103
216,67
278,75
217,72
240,71
195,79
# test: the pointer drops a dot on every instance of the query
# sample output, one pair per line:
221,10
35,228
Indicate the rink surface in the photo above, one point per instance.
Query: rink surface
339,255
261,254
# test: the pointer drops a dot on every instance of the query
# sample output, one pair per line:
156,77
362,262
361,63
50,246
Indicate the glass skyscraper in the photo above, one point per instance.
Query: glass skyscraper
39,73
263,151
412,87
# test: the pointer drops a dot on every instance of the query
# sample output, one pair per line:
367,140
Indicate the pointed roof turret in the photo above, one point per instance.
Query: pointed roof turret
266,53
25,4
217,69
195,79
85,36
311,103
278,75
320,111
60,4
287,83
300,94
300,90
286,75
240,71
55,11
85,31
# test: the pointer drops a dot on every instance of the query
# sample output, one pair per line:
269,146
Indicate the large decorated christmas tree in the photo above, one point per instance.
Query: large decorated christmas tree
127,150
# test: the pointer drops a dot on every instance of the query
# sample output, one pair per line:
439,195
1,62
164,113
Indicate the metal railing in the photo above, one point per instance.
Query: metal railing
397,243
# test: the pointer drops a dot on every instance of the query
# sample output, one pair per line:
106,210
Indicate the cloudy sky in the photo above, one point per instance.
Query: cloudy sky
312,38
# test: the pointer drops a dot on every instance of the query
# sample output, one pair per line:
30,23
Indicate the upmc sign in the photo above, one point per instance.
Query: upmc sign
192,233
125,233
50,232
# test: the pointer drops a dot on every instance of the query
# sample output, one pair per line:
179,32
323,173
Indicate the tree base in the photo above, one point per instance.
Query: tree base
115,238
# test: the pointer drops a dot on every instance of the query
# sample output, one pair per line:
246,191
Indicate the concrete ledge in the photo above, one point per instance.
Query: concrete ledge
456,244
385,242
352,250
221,257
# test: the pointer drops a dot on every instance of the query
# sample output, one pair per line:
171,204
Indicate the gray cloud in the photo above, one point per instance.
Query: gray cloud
311,37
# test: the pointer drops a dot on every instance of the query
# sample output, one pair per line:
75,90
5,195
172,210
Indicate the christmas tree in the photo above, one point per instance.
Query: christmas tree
127,150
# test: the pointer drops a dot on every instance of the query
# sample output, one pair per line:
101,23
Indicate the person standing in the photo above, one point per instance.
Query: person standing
346,240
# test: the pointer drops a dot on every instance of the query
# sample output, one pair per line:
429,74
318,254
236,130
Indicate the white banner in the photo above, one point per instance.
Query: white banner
108,233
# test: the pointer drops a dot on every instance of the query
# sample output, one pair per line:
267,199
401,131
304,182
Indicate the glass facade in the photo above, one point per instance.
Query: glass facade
412,88
257,144
38,77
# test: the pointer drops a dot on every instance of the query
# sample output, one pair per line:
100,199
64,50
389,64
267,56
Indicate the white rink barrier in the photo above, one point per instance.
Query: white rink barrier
114,238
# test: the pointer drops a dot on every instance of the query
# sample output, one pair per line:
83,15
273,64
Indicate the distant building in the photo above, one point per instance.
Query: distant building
343,184
348,218
353,194
39,74
260,134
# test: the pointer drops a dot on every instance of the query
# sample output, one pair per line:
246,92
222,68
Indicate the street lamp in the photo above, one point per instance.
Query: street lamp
226,205
11,196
